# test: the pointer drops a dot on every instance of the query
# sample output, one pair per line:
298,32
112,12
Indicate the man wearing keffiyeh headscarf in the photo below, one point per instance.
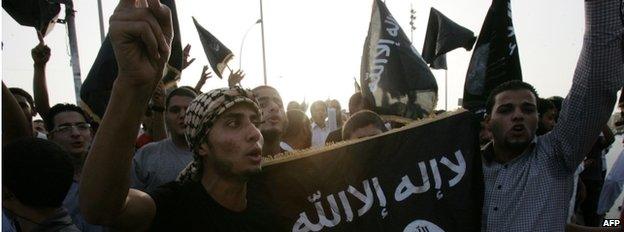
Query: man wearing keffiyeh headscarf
221,128
204,134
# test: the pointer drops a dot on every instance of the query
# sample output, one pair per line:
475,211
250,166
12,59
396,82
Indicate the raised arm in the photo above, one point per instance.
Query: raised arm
205,75
158,131
598,76
141,39
40,55
14,124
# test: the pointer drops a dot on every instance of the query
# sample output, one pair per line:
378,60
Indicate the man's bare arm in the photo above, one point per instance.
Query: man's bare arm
141,39
14,123
158,131
40,55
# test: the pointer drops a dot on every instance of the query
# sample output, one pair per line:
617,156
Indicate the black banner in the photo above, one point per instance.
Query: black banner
218,54
495,59
444,35
393,74
96,88
422,177
39,14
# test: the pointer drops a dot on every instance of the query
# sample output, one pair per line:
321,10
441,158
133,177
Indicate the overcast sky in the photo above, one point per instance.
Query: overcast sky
313,48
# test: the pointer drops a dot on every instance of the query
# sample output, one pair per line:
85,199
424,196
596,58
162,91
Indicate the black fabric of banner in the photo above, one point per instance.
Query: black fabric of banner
96,88
444,35
495,59
216,52
33,13
392,72
425,178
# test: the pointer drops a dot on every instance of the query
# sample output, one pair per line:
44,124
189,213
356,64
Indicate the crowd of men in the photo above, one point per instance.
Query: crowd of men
179,159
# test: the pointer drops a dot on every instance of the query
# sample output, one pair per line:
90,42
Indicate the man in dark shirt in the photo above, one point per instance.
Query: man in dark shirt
221,128
36,175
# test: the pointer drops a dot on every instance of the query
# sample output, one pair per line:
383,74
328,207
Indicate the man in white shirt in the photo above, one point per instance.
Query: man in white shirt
320,126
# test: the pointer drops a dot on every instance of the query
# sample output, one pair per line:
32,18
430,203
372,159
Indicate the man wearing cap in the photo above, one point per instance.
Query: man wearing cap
221,128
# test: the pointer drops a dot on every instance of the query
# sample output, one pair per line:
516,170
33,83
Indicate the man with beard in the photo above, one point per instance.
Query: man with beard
274,119
221,127
528,179
160,162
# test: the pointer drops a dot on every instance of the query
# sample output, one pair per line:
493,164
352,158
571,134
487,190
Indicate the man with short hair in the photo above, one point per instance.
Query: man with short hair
160,162
364,123
68,127
357,102
221,127
25,101
547,115
321,127
274,121
528,179
36,175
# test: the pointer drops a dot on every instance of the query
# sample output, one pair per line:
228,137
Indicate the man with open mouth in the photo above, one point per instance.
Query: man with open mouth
528,179
221,127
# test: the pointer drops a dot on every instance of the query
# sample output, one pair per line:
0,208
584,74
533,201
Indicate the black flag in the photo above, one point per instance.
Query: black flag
396,181
444,35
217,53
495,59
96,88
393,74
39,14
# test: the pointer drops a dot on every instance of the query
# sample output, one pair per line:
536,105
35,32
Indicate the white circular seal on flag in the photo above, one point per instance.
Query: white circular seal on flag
422,226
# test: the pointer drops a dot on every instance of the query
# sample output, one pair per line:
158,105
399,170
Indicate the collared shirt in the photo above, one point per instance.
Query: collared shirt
319,134
532,192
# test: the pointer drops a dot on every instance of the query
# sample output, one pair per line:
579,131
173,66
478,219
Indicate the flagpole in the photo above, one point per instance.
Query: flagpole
73,46
263,51
101,20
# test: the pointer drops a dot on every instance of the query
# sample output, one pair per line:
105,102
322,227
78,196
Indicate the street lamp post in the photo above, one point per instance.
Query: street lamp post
263,53
240,57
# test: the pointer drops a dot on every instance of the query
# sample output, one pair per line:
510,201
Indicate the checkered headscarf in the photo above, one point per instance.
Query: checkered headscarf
200,117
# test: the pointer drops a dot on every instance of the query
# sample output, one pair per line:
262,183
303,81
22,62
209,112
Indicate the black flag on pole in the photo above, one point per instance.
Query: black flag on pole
393,74
96,88
39,14
495,59
217,53
397,181
444,35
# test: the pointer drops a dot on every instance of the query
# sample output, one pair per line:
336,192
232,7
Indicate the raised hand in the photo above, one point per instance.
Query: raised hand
41,53
141,33
235,78
186,62
205,75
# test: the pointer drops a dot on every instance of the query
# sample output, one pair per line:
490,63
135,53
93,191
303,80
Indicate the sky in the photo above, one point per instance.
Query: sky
313,48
